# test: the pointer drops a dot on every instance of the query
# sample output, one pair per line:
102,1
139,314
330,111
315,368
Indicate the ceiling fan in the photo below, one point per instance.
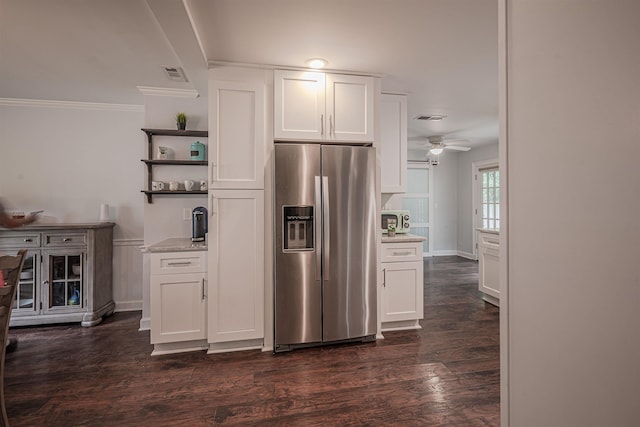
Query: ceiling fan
437,145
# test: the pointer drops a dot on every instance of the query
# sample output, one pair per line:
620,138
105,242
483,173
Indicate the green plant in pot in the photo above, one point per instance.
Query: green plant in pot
181,121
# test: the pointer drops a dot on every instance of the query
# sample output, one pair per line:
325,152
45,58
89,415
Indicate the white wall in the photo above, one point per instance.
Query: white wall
68,159
573,148
466,228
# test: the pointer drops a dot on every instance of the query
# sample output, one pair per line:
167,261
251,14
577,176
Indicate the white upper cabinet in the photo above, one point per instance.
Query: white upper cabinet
320,106
393,143
237,135
299,100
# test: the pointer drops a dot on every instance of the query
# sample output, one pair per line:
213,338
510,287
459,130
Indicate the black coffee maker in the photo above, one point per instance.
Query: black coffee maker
198,224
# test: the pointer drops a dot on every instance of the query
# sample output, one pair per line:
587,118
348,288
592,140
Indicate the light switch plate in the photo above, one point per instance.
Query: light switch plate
186,214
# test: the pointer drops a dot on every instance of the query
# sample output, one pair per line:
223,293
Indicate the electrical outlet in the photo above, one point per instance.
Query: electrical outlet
186,214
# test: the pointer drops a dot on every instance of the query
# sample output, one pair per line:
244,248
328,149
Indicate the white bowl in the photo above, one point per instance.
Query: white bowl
76,269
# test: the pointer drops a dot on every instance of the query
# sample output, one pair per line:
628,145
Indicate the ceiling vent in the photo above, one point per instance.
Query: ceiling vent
175,74
432,117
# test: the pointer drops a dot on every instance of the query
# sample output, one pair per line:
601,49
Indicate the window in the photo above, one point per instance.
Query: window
490,194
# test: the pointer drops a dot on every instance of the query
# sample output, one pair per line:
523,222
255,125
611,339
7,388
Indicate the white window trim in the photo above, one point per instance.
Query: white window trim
476,198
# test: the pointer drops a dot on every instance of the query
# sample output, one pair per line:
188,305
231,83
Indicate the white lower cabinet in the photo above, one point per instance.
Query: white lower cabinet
178,301
236,270
402,304
489,269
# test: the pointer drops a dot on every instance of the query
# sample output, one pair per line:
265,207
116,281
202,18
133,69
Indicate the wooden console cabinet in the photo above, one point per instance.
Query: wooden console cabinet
67,276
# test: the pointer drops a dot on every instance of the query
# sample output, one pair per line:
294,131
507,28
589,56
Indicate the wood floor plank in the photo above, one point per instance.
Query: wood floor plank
445,374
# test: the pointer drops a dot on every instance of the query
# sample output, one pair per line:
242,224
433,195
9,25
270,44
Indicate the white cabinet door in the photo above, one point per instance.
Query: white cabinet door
299,99
349,105
402,292
178,307
322,107
393,147
237,135
236,265
489,260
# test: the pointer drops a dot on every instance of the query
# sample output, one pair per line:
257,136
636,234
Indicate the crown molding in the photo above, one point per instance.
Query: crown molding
165,91
214,63
78,105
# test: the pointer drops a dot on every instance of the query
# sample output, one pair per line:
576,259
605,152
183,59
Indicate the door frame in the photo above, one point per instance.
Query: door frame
476,198
503,146
419,164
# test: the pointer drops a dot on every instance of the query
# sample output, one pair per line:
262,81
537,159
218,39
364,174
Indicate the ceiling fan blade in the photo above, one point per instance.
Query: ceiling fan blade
457,148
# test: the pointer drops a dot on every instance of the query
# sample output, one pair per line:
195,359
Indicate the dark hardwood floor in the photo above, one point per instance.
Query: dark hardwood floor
445,374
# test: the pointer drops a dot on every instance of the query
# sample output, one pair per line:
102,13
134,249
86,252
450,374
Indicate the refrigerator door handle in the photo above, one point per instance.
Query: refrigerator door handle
318,227
326,227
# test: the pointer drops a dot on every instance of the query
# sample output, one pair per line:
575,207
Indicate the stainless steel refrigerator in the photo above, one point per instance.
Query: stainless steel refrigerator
325,244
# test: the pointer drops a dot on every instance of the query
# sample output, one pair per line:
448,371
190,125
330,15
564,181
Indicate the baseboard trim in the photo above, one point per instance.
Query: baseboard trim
145,324
467,255
453,252
449,252
128,306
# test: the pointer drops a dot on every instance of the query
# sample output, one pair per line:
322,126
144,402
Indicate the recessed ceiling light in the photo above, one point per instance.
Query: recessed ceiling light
432,117
317,63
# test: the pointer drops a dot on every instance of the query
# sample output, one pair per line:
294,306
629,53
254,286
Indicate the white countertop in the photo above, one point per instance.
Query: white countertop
175,244
489,230
402,238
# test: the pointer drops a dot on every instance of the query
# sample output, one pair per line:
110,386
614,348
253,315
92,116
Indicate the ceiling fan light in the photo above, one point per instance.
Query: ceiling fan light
436,151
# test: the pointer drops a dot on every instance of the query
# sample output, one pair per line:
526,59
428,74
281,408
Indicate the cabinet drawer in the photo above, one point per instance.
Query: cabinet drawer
65,239
394,252
178,262
27,240
490,241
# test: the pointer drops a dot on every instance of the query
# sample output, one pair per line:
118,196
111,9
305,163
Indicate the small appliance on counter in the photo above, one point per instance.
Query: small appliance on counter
400,218
197,151
198,224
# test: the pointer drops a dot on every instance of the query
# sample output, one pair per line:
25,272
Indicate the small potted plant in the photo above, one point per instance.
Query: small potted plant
181,121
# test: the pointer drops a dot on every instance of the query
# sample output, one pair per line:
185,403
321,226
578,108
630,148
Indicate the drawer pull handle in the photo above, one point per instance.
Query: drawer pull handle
174,264
402,253
28,240
384,277
66,239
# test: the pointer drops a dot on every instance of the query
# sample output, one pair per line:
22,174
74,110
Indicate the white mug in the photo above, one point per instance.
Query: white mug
188,184
157,185
174,185
203,185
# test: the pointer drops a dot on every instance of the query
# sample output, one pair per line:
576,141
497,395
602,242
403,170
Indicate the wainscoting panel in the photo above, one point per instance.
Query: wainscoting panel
127,274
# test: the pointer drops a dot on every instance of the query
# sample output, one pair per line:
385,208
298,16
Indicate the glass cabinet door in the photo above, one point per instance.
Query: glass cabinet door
26,300
63,286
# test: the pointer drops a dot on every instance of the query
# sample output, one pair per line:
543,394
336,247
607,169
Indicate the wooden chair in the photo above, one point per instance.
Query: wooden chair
11,266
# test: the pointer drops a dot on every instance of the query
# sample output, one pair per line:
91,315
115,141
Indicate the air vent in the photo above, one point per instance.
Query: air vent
432,117
175,74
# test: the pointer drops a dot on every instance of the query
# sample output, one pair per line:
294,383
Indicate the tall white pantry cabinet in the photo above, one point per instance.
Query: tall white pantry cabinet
237,136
